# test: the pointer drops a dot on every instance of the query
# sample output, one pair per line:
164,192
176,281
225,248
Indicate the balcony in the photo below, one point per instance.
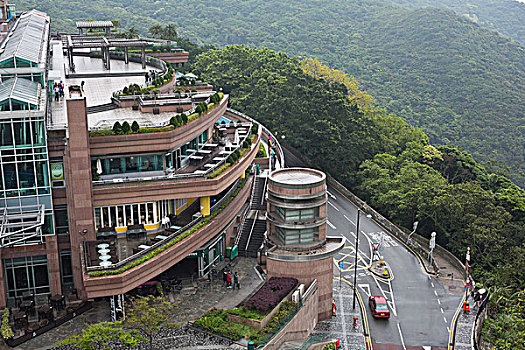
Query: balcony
197,180
130,272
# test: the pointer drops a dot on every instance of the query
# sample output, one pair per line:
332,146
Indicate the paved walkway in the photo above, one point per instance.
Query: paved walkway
195,298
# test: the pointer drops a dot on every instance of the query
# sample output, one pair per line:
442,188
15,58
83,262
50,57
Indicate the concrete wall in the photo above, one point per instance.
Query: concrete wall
300,327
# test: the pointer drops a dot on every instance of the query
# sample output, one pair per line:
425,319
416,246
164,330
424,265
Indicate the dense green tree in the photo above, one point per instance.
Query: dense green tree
101,335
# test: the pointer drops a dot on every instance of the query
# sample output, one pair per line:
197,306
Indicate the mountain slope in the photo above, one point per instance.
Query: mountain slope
459,82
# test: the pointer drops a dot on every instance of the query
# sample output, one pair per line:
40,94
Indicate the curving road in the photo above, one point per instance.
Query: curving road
421,309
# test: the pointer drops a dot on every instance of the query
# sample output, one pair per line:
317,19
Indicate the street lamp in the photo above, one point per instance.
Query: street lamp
414,231
356,250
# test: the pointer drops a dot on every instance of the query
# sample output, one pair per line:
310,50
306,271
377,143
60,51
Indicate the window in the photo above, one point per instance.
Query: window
292,215
293,236
26,274
61,220
181,202
66,270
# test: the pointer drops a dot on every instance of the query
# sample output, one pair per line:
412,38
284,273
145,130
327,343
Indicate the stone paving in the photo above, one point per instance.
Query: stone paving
340,326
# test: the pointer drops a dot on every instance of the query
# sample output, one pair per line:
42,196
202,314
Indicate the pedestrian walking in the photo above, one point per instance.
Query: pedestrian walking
236,281
229,280
57,92
82,85
224,279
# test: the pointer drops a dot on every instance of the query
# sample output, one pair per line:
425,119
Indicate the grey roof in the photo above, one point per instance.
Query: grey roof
94,24
27,39
21,90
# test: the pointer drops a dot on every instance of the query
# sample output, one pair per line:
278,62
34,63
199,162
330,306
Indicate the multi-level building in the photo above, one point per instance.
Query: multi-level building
90,213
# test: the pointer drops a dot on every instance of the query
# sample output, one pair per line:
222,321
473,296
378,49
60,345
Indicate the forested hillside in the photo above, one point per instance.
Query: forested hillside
505,16
460,83
391,165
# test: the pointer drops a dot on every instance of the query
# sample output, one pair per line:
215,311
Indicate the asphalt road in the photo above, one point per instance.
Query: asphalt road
421,310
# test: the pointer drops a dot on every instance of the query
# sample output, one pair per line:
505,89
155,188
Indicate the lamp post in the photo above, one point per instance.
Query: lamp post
356,250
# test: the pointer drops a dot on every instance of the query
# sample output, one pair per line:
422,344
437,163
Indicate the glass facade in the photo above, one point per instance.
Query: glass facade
297,215
66,271
294,236
26,274
132,214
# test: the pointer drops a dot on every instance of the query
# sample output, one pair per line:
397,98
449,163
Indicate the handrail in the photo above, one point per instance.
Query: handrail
249,236
265,130
175,234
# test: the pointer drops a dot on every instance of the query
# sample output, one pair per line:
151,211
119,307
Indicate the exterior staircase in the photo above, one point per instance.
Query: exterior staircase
258,198
101,108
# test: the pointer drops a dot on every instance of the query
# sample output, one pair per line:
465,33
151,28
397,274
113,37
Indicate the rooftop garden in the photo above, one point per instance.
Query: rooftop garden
175,121
175,240
234,157
267,304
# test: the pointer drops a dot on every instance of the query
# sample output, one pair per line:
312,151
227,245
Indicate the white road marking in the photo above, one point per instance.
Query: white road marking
432,283
333,206
331,225
346,217
366,288
439,302
435,293
445,319
401,336
448,329
442,310
331,195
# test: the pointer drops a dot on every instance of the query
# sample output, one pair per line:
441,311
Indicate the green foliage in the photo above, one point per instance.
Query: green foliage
147,315
117,128
6,330
101,133
330,346
219,171
126,128
156,129
135,126
262,152
101,335
254,314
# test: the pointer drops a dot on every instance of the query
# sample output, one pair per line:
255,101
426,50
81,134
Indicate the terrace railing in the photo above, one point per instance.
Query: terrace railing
265,131
176,176
171,237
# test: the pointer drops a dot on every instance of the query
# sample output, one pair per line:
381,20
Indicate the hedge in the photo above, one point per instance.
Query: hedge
171,243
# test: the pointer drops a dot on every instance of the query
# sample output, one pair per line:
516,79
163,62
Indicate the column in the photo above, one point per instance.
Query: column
143,57
126,55
53,265
3,290
205,206
109,60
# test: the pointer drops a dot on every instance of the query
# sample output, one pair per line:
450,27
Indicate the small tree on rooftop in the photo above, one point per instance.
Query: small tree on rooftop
6,330
117,128
126,128
135,126
147,315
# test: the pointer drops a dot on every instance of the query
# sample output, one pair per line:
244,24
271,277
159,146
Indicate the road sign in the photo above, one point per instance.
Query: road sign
376,245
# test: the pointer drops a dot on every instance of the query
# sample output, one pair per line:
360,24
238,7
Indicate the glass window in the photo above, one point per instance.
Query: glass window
10,176
22,131
132,164
6,136
98,222
61,220
26,274
66,268
115,166
41,174
26,175
113,216
147,163
38,133
150,212
120,213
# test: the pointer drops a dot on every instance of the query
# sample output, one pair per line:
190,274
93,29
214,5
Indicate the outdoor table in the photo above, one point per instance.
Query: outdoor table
218,159
20,320
204,151
225,152
161,237
196,157
27,306
27,296
209,165
103,245
175,227
57,301
104,257
211,145
143,246
196,216
103,251
105,263
200,172
191,150
45,311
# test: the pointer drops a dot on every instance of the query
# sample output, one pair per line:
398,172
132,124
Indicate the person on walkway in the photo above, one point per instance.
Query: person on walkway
229,280
82,85
224,279
236,281
57,92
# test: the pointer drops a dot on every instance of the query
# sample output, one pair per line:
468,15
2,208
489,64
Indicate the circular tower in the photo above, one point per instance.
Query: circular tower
296,226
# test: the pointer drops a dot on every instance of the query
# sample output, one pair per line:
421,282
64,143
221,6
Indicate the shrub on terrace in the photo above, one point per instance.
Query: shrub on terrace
184,117
135,126
126,128
271,293
117,128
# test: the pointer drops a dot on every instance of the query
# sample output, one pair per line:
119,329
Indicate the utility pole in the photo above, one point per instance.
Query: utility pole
356,247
